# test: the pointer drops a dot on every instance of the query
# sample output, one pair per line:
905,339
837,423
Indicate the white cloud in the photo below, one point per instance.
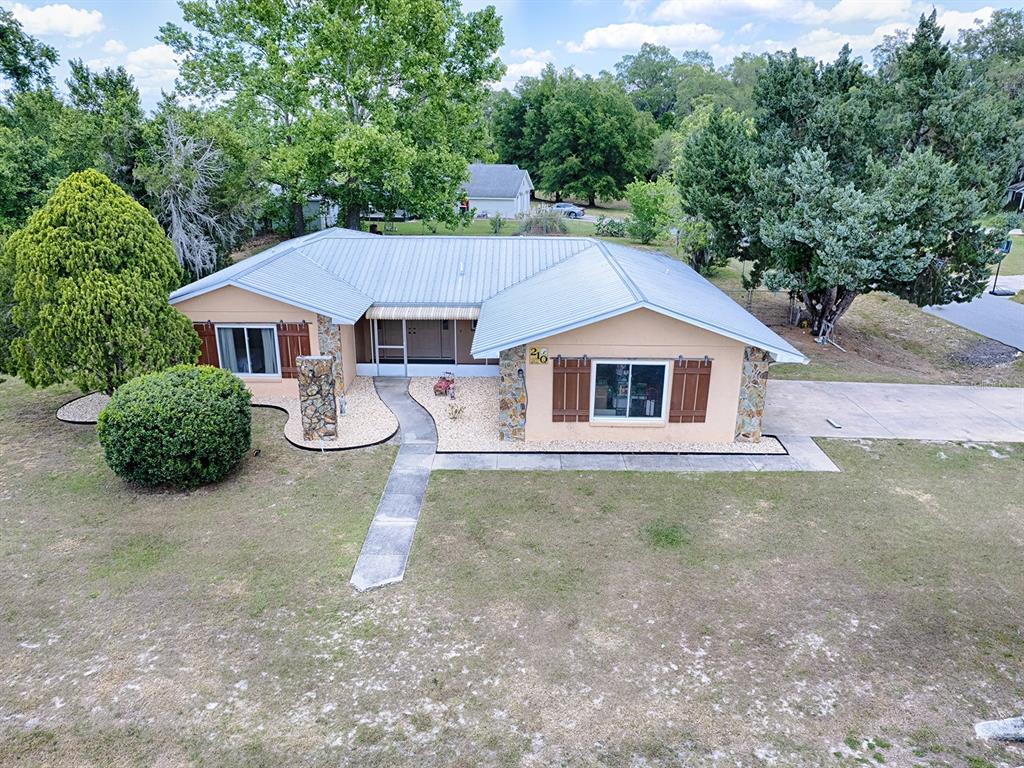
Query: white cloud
529,53
632,35
746,29
824,44
797,11
633,7
59,19
528,68
869,10
114,47
954,21
153,67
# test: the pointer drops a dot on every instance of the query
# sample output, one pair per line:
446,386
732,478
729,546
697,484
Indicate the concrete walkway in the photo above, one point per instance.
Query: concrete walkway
804,456
388,542
912,411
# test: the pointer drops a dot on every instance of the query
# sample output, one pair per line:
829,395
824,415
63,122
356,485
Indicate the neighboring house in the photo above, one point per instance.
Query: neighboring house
1015,196
590,340
498,190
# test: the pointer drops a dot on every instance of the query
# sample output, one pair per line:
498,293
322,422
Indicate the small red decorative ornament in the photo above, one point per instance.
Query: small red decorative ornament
444,384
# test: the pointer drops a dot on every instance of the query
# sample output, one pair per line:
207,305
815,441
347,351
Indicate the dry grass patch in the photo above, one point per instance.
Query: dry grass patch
577,619
886,339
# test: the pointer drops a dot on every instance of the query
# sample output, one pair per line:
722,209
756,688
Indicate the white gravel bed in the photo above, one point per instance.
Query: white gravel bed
367,420
83,410
476,429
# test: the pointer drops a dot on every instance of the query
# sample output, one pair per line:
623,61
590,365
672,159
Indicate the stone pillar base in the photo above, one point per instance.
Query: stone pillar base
753,385
317,401
512,394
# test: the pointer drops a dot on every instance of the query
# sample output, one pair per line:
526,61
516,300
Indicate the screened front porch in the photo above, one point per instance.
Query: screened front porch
419,341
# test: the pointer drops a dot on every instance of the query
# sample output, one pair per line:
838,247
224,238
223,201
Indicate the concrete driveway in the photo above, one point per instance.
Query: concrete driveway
913,411
995,317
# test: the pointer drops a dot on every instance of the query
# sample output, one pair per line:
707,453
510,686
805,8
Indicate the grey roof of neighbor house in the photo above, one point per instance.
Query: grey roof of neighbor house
487,180
527,288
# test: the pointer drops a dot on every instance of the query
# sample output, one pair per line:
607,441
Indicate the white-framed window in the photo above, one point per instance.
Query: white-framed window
249,350
630,390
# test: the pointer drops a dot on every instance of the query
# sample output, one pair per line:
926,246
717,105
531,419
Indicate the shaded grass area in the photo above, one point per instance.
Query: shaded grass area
799,619
886,339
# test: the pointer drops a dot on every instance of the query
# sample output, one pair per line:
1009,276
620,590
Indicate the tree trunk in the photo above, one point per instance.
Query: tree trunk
591,201
558,197
298,220
352,216
826,306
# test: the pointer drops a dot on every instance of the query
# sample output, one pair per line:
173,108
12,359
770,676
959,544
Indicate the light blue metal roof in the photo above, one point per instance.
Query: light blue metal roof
527,288
283,273
610,280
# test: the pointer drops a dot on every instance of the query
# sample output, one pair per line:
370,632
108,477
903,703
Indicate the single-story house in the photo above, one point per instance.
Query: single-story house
590,340
502,190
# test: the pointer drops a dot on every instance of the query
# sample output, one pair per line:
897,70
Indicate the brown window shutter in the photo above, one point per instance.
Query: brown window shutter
292,341
207,344
691,381
570,390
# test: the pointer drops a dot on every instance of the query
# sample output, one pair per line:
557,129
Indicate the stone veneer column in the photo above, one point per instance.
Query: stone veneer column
329,337
753,384
512,394
317,402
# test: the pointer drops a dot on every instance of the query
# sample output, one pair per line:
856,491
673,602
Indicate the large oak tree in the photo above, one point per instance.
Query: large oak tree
360,103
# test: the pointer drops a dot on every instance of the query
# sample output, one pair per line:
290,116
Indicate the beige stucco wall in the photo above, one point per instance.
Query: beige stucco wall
348,353
643,335
234,305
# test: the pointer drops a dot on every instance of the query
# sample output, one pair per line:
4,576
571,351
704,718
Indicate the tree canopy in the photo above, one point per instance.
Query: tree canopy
578,136
92,271
24,61
361,104
866,182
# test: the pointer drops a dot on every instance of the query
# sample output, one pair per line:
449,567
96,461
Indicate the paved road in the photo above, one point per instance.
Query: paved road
995,317
917,412
386,547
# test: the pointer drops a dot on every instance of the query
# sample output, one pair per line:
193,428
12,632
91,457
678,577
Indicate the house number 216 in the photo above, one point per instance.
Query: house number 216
538,355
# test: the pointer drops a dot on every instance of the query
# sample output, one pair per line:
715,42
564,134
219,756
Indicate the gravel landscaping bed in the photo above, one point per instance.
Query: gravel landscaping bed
476,427
83,410
367,420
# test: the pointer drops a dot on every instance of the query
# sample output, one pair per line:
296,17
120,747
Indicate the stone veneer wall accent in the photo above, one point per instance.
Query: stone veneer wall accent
753,385
329,337
512,394
317,402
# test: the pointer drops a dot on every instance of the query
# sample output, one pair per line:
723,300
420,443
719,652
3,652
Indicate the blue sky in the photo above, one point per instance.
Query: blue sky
588,35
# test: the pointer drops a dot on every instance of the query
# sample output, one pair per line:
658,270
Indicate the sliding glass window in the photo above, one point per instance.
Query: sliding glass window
248,350
630,390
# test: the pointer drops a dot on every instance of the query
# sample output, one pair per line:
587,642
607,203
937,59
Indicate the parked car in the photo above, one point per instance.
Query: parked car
569,210
372,214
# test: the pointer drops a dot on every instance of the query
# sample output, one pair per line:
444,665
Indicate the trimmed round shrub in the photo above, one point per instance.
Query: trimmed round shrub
184,427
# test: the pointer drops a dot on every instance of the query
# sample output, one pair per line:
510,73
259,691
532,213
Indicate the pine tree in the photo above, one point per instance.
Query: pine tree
92,272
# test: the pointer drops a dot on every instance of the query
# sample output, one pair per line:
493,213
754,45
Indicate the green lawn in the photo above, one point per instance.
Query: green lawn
475,227
1013,263
573,618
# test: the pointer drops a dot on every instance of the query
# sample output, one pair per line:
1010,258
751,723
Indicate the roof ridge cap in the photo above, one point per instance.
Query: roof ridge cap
548,268
634,289
333,276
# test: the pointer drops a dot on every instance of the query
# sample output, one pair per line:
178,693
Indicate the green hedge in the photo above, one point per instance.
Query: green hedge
184,427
